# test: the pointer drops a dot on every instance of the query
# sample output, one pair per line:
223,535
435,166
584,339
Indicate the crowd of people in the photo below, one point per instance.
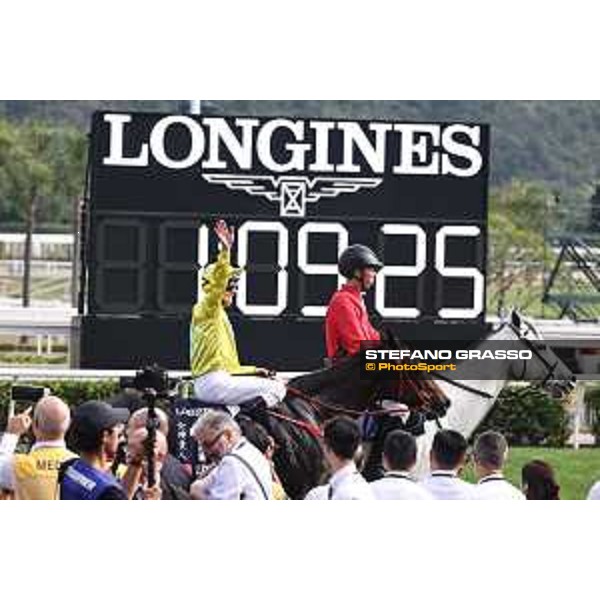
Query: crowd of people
76,456
448,459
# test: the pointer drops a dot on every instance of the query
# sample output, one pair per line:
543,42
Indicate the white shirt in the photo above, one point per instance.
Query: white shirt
345,484
243,474
594,493
8,445
398,485
495,487
446,485
318,493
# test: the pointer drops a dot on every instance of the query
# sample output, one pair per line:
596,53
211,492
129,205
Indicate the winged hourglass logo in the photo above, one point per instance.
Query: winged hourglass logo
293,193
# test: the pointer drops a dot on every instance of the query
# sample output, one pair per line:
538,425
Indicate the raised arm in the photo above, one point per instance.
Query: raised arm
221,270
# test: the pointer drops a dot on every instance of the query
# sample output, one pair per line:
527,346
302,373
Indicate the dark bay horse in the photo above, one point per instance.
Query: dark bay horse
314,397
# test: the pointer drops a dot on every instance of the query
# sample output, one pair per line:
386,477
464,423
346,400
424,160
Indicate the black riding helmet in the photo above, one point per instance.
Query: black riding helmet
355,257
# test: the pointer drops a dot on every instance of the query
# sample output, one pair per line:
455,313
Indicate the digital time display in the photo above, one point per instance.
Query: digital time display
298,192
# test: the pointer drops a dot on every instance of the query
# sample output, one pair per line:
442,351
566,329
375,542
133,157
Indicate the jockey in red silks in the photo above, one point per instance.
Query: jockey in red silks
347,321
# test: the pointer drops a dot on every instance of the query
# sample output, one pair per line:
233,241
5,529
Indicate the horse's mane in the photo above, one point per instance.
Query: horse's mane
338,374
342,383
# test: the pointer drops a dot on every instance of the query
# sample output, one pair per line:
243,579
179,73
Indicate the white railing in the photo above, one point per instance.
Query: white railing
48,373
36,320
50,319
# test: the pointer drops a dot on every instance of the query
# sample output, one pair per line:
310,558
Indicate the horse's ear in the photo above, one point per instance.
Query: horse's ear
515,319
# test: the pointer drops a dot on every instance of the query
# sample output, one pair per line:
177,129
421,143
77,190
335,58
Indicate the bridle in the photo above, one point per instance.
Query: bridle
531,346
463,386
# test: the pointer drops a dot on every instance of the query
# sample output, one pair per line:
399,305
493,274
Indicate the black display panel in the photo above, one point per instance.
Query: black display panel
298,191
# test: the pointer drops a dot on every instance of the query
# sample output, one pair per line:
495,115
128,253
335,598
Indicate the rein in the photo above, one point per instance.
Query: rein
551,368
312,400
310,427
463,386
336,408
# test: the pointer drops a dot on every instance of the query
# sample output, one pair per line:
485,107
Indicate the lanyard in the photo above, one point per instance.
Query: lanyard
397,476
491,478
331,490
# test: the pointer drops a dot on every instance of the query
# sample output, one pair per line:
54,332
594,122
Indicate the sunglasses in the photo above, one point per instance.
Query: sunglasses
208,445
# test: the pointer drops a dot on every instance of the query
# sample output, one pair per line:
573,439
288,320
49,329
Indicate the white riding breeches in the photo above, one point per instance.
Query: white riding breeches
219,387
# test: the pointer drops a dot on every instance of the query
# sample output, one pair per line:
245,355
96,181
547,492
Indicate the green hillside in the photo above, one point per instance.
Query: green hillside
550,141
544,167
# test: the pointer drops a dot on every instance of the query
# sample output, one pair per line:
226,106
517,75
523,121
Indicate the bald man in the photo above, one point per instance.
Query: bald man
33,476
139,417
136,450
174,479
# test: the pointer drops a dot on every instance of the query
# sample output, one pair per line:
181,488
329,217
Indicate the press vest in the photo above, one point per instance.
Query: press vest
84,482
36,473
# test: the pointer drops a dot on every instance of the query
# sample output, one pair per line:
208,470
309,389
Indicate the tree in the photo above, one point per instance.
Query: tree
32,179
41,172
518,218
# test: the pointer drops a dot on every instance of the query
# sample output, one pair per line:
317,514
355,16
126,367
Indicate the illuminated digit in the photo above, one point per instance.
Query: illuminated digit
460,272
401,270
202,256
282,263
318,268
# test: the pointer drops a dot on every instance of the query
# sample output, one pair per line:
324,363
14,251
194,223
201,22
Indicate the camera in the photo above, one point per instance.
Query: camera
27,393
151,377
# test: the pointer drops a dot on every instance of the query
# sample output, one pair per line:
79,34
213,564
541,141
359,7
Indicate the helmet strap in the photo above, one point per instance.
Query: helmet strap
360,278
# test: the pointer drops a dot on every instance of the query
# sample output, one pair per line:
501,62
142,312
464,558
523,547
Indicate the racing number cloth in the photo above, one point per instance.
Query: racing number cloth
212,343
347,323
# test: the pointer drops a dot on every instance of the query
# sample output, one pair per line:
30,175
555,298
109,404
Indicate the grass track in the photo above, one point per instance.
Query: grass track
576,470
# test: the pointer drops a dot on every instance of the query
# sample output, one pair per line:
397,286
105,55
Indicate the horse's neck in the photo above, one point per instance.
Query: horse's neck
338,385
467,408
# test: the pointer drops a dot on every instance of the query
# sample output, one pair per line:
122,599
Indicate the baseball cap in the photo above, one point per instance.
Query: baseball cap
95,416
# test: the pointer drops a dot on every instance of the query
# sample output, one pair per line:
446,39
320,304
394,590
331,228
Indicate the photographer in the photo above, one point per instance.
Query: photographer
174,479
33,476
95,433
141,395
136,475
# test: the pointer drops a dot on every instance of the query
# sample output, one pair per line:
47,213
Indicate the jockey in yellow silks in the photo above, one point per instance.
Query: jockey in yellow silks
219,378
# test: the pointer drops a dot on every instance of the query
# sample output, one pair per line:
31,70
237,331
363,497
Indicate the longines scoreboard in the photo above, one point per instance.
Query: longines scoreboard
298,191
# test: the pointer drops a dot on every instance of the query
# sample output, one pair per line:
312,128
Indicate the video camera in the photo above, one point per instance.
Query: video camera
151,377
153,382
